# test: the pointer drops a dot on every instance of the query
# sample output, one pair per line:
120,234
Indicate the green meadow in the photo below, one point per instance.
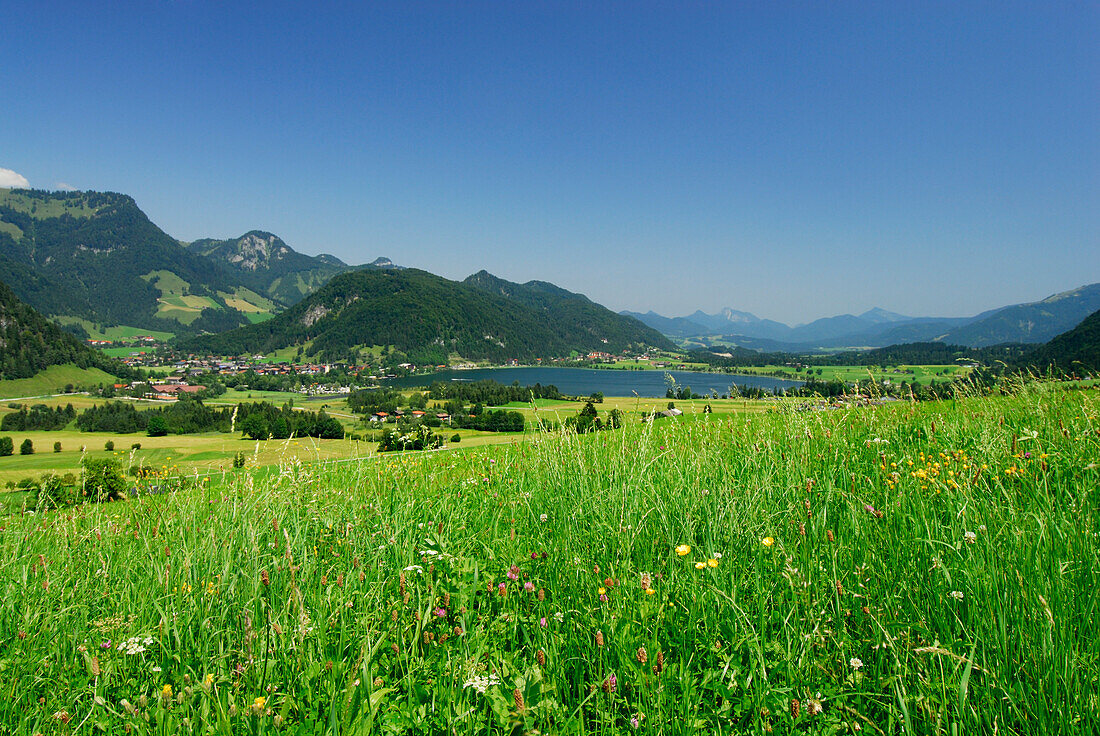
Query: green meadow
910,568
53,380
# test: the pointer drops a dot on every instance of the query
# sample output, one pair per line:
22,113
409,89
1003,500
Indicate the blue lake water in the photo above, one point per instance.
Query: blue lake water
585,381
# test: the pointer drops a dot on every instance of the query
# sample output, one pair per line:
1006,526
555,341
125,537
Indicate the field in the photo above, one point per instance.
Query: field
117,332
905,568
922,374
53,380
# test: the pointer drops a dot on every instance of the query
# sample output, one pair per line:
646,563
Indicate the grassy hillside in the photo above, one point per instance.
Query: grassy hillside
54,380
913,568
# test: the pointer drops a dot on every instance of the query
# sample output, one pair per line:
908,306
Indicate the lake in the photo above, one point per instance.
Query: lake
585,381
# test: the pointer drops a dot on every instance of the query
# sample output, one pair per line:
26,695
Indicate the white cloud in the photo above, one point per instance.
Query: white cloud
62,186
11,180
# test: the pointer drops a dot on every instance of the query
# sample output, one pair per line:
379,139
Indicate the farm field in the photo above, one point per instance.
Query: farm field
922,374
925,568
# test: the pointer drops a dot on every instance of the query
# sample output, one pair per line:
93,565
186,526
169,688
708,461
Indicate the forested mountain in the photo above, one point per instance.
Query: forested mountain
97,257
575,310
1075,351
1035,322
430,319
94,258
269,266
30,343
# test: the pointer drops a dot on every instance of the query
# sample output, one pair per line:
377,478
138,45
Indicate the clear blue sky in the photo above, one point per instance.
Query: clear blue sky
794,159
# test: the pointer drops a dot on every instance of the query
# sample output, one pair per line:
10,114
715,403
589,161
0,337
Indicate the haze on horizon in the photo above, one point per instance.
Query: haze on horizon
794,161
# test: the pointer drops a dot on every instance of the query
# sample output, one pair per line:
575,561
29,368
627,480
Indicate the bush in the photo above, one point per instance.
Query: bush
135,446
103,480
53,493
27,448
7,447
57,447
109,445
239,460
456,437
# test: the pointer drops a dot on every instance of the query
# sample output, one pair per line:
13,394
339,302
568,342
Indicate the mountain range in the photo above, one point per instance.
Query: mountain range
91,259
433,320
1034,322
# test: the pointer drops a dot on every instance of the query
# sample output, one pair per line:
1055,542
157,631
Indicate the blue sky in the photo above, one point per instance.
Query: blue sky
795,160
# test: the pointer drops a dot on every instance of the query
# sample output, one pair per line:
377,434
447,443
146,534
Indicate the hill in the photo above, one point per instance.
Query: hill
576,310
431,319
1071,351
30,344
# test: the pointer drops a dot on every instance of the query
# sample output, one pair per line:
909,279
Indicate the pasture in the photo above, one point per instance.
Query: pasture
903,568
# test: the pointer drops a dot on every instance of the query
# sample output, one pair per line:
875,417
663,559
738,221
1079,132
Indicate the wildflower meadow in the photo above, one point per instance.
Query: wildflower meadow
906,568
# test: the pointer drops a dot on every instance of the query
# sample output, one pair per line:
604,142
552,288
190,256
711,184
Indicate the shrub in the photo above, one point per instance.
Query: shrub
456,437
7,447
109,445
103,480
239,460
135,446
54,493
57,447
27,448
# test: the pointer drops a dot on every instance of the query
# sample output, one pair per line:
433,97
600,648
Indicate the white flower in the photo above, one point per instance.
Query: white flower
482,683
559,617
957,595
542,518
970,537
855,663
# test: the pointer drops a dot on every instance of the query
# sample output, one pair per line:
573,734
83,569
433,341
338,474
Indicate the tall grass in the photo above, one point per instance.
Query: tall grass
925,568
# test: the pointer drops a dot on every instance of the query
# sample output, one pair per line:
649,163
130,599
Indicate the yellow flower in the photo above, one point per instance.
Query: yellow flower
602,591
767,541
166,692
259,702
683,549
700,565
712,562
650,591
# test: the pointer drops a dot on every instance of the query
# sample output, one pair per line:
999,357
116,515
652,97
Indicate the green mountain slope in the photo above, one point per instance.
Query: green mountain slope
1071,351
1034,322
576,310
97,256
425,316
30,343
271,267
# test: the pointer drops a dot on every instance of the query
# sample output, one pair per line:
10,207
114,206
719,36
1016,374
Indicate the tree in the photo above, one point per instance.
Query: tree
158,426
7,447
27,448
280,430
255,427
57,447
109,445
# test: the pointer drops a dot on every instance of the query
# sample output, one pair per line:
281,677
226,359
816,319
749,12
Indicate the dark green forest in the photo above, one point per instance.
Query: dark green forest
30,343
